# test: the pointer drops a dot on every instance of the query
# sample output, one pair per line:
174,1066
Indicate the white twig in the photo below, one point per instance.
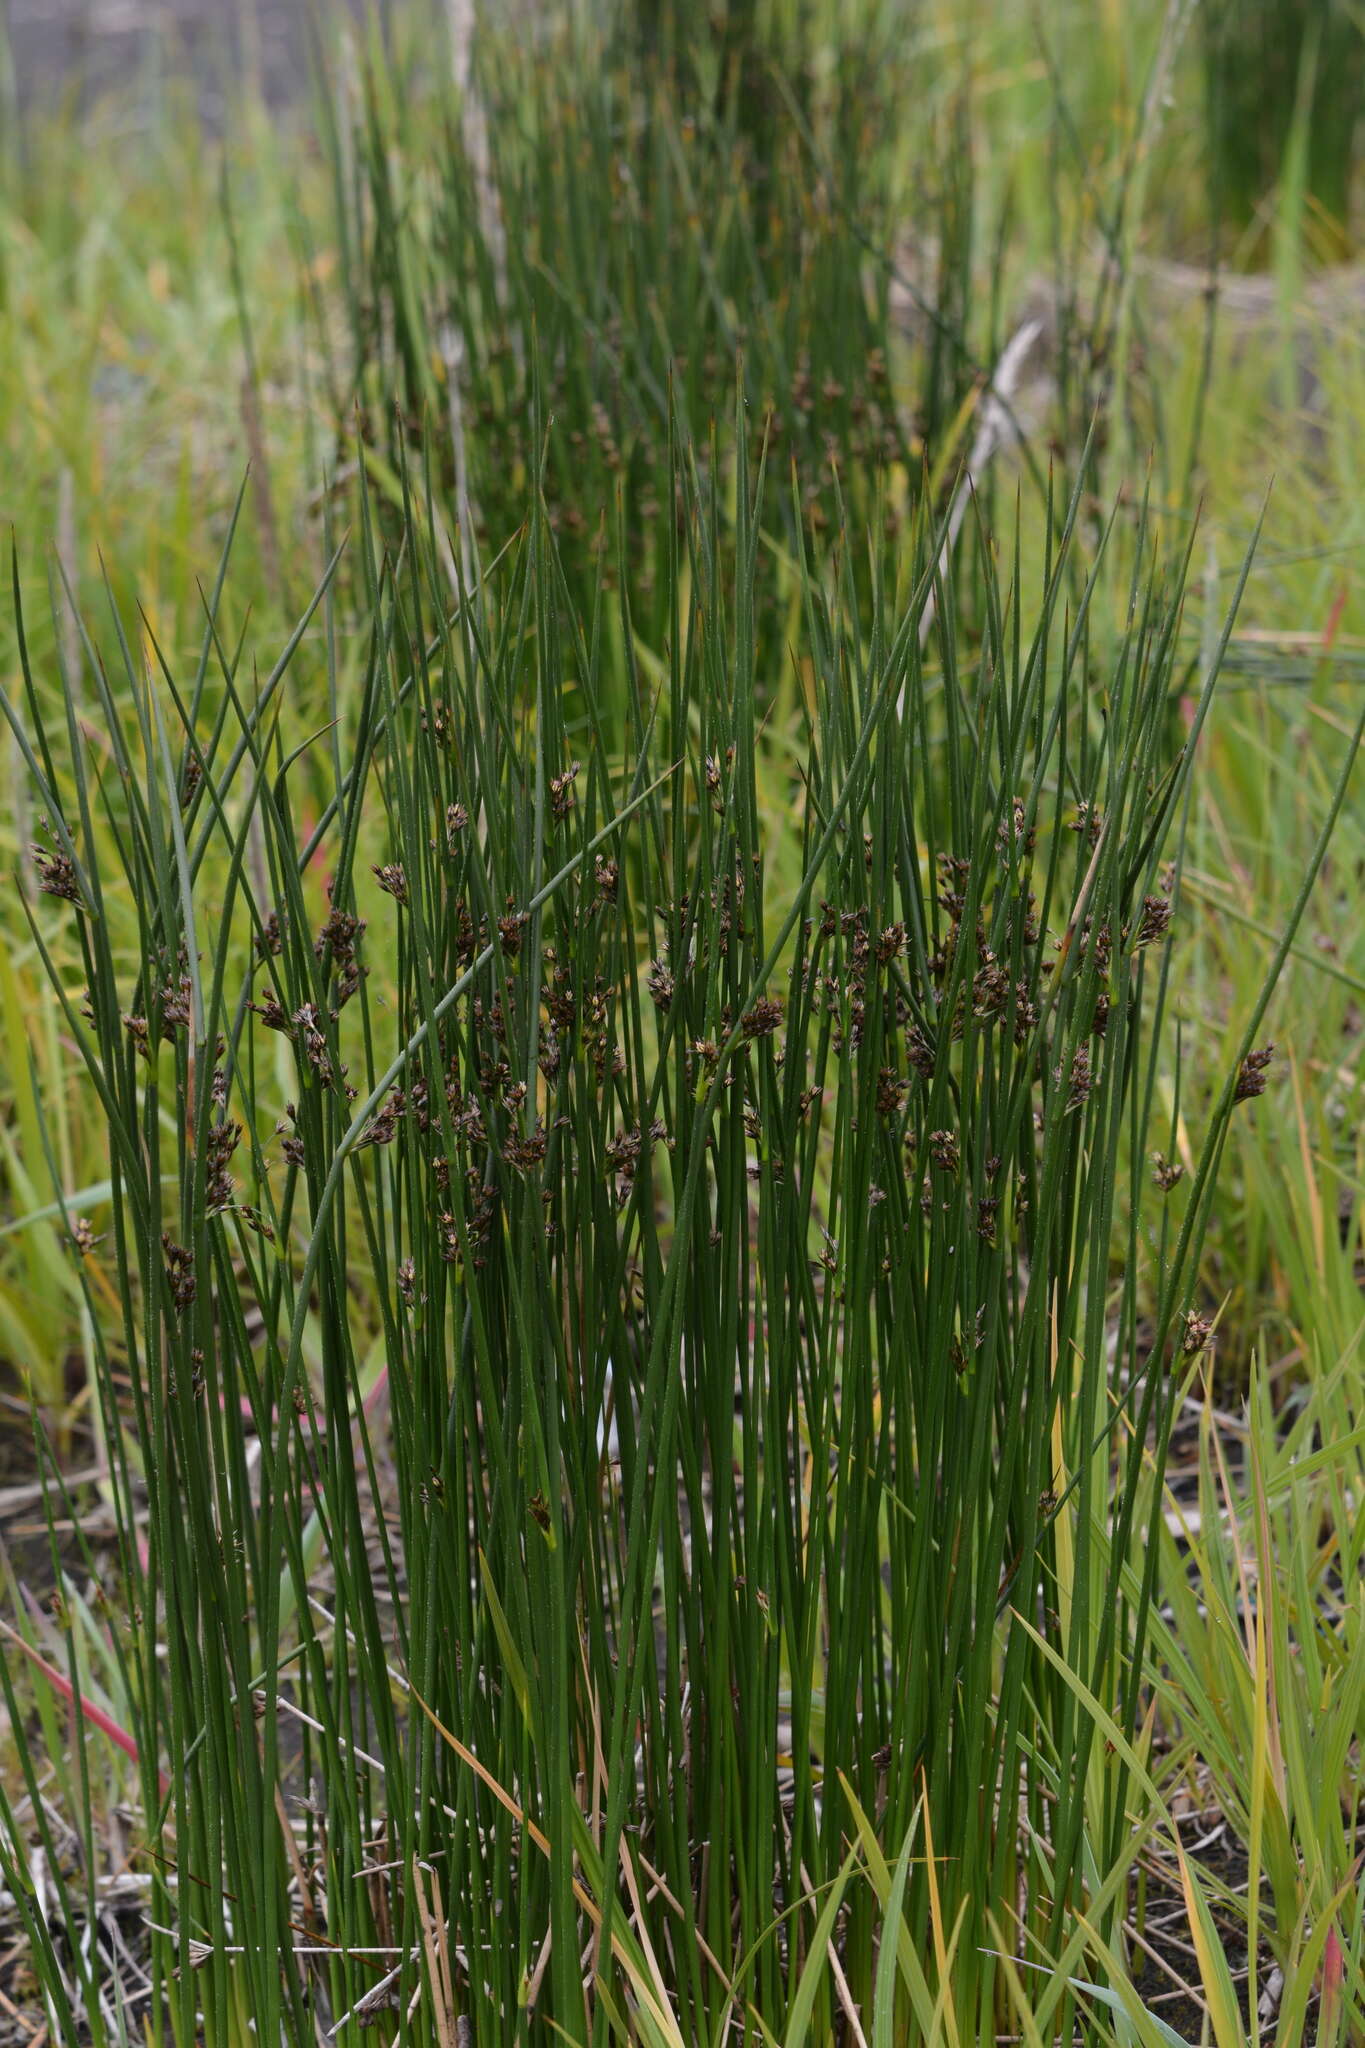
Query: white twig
997,427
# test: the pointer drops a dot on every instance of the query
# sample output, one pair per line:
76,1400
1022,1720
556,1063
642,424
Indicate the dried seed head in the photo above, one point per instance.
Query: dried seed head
608,877
339,938
1030,929
561,791
714,771
223,1140
953,872
1015,831
891,1092
177,1006
136,1027
1025,1014
1089,821
526,1152
945,1151
1155,920
271,1012
341,933
990,988
56,872
1081,1081
961,1349
551,1055
312,1042
1251,1074
291,1143
763,1019
393,880
561,1003
1098,941
382,1126
920,1053
1198,1330
1165,1173
622,1152
83,1238
660,984
179,1272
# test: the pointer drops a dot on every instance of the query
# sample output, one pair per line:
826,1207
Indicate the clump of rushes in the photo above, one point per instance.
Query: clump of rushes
713,1160
614,235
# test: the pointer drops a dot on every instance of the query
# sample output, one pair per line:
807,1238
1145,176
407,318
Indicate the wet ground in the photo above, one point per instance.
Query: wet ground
82,48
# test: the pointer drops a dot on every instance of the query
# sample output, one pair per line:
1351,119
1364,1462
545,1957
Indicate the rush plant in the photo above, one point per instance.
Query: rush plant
632,1322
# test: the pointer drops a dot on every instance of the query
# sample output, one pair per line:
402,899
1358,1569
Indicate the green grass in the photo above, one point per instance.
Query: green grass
621,1097
1285,100
646,1518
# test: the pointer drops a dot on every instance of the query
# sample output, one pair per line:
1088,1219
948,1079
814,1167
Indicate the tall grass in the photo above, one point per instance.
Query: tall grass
640,1201
613,227
629,1413
1285,95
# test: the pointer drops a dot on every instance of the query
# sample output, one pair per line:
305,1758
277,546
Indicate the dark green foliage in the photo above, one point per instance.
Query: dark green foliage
813,1171
1273,68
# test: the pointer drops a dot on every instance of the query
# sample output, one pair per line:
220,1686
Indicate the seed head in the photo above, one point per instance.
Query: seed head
271,1012
83,1238
223,1140
561,791
1155,920
56,873
608,877
179,1272
392,880
763,1019
1082,1080
944,1150
1251,1074
660,984
136,1027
